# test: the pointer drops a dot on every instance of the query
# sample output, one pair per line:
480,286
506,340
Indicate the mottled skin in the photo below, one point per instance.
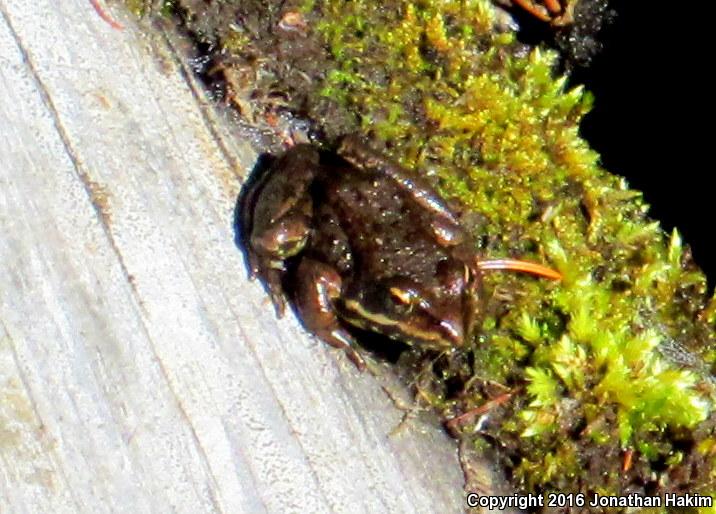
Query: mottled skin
365,243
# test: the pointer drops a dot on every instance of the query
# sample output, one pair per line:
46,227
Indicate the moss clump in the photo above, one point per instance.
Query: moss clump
604,380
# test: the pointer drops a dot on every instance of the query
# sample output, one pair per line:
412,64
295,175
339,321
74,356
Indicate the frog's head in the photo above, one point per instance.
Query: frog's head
437,315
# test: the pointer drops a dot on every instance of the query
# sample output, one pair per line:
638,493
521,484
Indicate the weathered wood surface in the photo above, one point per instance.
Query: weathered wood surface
139,370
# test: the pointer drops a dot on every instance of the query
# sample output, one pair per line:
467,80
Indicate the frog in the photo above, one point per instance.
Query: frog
356,242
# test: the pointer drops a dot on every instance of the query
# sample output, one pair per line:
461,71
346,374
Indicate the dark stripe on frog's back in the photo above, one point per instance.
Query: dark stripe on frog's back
389,232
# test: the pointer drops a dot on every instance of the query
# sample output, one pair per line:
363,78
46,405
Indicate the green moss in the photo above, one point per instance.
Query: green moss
141,8
137,7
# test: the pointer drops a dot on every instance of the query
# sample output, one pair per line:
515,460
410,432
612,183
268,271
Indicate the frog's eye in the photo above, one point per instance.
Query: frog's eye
402,295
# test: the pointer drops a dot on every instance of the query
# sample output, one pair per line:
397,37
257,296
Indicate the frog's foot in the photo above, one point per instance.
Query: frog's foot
340,338
272,280
318,286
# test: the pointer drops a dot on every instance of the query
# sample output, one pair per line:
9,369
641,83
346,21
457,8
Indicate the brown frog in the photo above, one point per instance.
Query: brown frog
364,243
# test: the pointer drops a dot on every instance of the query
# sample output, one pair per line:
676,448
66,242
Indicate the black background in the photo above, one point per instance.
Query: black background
652,119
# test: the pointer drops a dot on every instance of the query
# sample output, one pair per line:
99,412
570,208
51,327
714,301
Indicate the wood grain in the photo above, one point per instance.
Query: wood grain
139,370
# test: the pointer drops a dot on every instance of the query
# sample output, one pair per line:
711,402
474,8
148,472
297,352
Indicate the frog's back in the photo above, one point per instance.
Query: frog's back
389,233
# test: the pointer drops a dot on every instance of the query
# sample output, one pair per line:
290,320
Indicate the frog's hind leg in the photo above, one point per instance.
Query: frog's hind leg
318,285
359,154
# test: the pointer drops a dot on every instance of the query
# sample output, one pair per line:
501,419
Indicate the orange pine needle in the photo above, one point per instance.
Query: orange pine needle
627,463
517,265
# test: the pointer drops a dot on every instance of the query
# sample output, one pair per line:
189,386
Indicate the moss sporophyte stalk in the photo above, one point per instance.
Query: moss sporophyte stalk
604,379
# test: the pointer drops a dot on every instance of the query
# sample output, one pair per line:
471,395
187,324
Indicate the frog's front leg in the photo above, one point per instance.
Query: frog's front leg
318,286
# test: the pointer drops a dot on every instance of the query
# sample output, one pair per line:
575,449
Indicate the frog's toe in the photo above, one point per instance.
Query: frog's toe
279,303
355,358
340,338
272,281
